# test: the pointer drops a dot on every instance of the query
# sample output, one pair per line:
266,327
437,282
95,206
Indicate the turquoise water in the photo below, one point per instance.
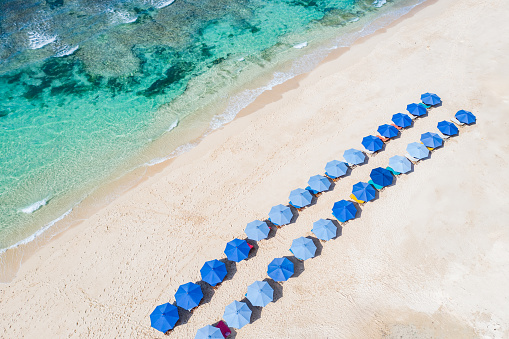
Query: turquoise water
87,86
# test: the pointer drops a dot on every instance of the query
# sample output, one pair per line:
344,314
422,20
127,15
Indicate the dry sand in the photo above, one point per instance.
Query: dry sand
428,259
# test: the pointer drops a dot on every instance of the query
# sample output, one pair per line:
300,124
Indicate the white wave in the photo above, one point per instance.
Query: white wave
241,59
66,50
178,151
121,17
35,206
354,19
173,125
301,45
38,40
379,3
160,3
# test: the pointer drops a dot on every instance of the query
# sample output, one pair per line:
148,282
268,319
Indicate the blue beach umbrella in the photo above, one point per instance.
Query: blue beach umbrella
280,269
324,229
430,99
387,131
465,117
213,272
416,109
257,230
260,293
447,128
401,120
300,198
188,296
280,215
400,164
431,140
237,250
237,314
164,317
417,150
381,176
335,169
303,248
319,183
363,191
209,332
354,157
344,210
372,143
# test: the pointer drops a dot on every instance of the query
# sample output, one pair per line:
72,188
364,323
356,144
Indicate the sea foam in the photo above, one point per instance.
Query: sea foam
38,40
379,3
66,50
35,206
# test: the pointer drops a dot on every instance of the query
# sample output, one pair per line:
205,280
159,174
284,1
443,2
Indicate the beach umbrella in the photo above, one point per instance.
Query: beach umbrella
237,250
372,143
280,269
209,332
213,272
319,183
344,210
417,150
164,317
364,191
465,117
188,296
303,248
400,164
431,140
416,109
324,229
335,169
237,314
354,157
257,230
401,120
447,128
430,99
300,198
381,177
387,131
260,293
280,215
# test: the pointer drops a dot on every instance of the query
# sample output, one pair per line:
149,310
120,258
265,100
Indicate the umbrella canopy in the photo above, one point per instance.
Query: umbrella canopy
280,215
364,191
344,210
465,117
324,229
237,250
387,131
381,176
164,317
257,230
300,197
335,169
237,314
401,120
303,248
447,128
209,332
354,157
431,140
188,296
319,183
213,272
430,99
400,164
417,150
416,109
372,143
260,293
280,269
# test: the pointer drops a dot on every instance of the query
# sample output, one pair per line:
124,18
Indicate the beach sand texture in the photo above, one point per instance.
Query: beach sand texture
427,259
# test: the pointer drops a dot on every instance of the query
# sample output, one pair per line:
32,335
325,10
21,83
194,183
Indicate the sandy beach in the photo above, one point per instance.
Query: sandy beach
428,258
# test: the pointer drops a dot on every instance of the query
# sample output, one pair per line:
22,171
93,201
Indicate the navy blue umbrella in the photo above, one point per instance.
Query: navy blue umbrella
372,143
237,250
280,269
257,230
363,191
300,198
416,109
465,117
344,210
164,317
280,215
387,131
188,296
447,128
430,99
401,120
213,272
381,176
431,140
335,169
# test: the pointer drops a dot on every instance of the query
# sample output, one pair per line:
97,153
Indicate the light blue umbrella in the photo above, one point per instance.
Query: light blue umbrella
335,169
164,317
354,157
387,131
303,248
257,230
280,269
372,143
465,117
300,198
209,332
401,120
319,183
237,314
344,210
364,191
417,150
416,109
188,296
237,250
324,229
400,164
260,293
431,140
430,99
447,128
213,272
280,215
